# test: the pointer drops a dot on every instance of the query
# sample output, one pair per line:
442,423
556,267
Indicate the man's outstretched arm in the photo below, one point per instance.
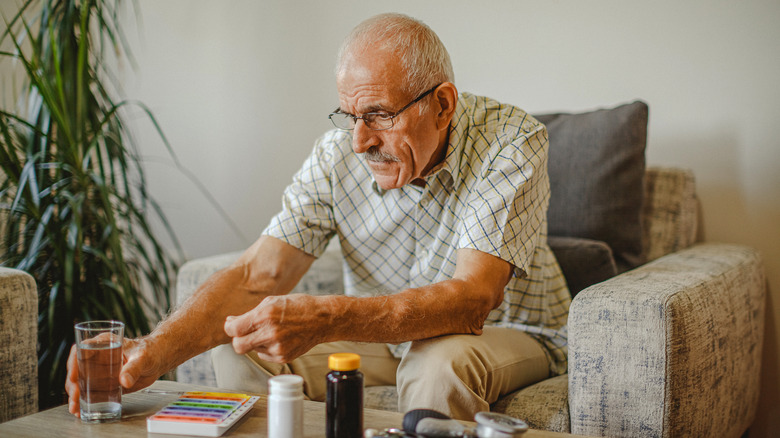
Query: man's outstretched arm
268,267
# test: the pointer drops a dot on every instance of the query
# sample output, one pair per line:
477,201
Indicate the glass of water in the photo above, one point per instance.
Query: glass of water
99,352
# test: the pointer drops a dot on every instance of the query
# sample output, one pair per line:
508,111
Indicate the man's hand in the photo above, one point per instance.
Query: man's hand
280,328
140,369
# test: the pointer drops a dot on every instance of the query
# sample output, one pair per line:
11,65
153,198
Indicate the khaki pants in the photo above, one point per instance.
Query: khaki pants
458,375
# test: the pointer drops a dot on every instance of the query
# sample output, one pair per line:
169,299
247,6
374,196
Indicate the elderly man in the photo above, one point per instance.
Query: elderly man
439,202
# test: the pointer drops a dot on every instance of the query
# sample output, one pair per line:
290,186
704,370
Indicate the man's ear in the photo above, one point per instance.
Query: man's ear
447,97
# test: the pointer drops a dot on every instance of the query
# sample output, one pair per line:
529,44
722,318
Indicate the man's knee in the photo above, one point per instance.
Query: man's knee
466,373
443,361
445,374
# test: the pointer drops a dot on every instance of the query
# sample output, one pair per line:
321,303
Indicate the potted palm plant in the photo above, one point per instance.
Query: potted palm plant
74,204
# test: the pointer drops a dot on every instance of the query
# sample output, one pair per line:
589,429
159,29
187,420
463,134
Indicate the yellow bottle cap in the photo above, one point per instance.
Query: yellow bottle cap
344,361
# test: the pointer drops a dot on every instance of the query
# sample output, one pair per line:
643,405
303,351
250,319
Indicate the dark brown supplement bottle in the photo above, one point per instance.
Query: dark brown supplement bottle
344,402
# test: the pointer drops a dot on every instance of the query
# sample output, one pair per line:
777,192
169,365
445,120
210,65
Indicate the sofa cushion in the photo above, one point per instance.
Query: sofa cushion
597,167
583,261
384,398
544,405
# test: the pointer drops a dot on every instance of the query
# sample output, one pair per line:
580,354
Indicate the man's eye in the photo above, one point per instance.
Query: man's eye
377,116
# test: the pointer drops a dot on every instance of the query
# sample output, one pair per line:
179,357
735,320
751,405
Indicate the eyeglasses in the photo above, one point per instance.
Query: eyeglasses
378,121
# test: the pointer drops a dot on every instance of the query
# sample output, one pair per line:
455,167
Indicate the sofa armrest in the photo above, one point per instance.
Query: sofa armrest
18,342
324,277
672,348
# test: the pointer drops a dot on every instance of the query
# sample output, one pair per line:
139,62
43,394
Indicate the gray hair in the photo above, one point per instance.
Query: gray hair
424,58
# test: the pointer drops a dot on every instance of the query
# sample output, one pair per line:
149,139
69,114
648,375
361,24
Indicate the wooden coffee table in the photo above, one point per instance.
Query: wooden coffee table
58,422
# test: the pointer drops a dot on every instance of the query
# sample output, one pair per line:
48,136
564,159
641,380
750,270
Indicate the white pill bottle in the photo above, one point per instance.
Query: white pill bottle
285,406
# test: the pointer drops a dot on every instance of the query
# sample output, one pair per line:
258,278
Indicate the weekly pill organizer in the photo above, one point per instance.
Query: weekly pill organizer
201,413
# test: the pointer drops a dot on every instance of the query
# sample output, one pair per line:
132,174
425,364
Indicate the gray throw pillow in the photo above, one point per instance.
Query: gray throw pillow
597,169
584,262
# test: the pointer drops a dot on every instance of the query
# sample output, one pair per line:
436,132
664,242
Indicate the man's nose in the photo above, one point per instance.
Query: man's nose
363,137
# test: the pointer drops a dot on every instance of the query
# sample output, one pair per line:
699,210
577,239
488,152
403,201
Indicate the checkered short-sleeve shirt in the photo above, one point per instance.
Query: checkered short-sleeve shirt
490,194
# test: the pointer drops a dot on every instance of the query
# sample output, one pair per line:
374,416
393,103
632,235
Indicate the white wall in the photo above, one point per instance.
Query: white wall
242,88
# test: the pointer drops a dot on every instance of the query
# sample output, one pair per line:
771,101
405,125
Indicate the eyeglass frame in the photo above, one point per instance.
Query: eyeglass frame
391,118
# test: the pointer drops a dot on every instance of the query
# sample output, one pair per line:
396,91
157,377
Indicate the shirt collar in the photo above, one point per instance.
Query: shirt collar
456,144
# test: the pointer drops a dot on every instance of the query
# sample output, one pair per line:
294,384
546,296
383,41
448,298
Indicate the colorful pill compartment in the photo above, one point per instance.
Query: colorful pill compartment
201,413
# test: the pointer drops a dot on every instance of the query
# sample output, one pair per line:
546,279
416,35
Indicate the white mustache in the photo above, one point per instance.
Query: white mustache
374,154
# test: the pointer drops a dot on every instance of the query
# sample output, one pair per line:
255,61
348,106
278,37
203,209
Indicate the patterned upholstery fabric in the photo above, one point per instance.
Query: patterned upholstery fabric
670,212
18,340
671,348
380,397
544,405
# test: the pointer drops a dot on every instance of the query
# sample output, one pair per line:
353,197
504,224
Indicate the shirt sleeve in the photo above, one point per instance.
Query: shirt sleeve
306,220
505,214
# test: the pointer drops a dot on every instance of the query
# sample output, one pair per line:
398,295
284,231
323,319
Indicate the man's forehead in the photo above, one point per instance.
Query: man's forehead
362,71
364,102
360,98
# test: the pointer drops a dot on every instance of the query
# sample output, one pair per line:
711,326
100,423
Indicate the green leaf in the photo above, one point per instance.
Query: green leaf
74,199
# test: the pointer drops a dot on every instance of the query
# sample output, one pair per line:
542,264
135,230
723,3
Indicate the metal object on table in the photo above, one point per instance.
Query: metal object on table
494,425
387,433
429,423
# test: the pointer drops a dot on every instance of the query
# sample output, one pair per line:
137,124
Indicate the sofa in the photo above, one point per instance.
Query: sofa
18,341
665,331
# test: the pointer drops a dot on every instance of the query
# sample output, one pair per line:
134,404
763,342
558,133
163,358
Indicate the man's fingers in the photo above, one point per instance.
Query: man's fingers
251,341
73,397
130,373
263,355
142,366
73,365
72,382
236,326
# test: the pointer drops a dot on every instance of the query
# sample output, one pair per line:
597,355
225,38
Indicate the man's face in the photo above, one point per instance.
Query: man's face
371,82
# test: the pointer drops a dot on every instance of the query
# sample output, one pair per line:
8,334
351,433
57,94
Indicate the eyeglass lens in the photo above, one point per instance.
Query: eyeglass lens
375,121
372,121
